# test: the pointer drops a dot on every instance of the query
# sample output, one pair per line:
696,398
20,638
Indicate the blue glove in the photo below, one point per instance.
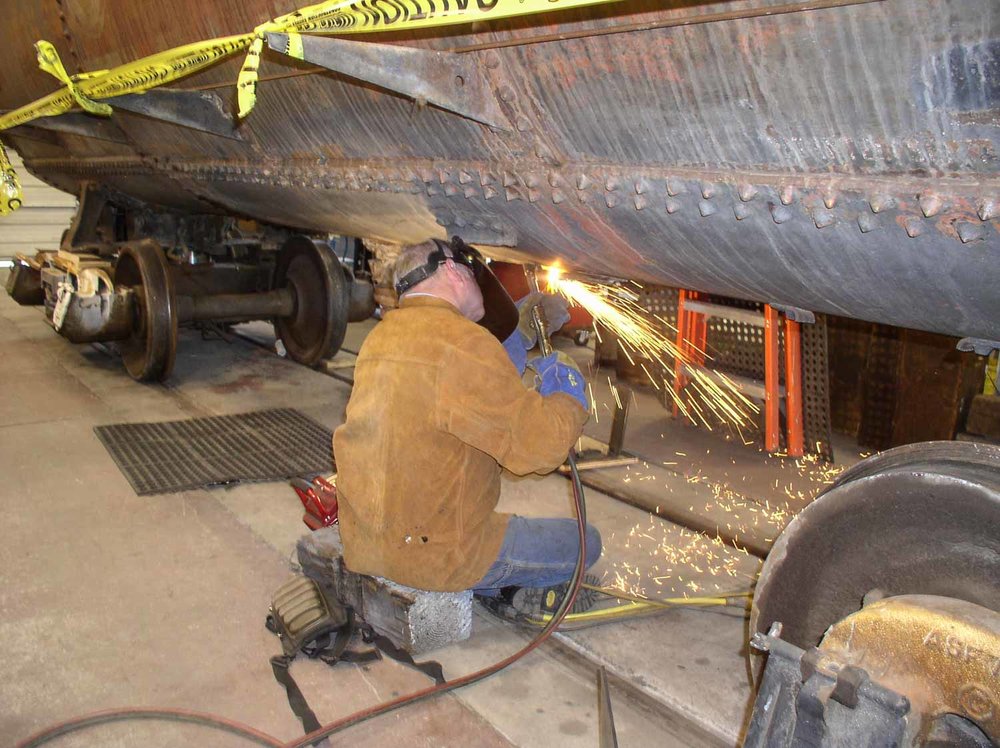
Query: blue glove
514,345
553,307
557,373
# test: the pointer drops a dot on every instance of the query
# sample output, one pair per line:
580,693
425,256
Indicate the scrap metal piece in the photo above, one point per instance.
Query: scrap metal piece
446,80
198,110
979,346
77,123
606,718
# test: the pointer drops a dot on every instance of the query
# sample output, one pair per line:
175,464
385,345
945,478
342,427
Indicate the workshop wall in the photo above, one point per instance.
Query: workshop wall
41,220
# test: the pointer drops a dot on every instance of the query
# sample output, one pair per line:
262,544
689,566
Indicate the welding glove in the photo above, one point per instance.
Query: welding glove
553,307
514,345
557,372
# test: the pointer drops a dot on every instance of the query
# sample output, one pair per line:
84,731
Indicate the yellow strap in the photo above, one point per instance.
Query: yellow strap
10,187
48,60
133,77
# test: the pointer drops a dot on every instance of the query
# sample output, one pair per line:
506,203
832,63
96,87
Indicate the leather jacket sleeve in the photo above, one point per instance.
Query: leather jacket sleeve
482,401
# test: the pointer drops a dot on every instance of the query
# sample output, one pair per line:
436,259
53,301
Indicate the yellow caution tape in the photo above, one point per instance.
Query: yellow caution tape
48,60
134,77
10,187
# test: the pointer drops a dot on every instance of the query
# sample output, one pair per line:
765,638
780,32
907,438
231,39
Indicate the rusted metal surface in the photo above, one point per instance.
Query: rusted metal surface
841,160
919,519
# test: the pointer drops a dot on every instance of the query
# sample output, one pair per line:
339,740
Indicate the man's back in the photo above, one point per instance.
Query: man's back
436,405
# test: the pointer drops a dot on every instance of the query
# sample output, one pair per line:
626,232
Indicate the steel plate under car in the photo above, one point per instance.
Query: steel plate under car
175,456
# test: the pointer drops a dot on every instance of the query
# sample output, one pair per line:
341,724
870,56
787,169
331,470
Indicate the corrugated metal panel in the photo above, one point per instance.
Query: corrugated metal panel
44,215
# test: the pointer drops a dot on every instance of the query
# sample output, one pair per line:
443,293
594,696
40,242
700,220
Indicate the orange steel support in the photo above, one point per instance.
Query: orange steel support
692,335
771,441
793,388
682,338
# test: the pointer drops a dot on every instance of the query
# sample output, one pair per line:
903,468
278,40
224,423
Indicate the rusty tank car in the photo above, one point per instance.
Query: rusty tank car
838,156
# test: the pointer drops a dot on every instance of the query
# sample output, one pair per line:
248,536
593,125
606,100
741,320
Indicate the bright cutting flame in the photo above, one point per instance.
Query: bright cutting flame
618,309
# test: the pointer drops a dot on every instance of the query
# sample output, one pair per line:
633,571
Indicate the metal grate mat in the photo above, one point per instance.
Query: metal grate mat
173,456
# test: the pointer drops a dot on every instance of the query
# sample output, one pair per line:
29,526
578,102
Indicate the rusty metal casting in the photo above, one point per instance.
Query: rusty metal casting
941,653
677,144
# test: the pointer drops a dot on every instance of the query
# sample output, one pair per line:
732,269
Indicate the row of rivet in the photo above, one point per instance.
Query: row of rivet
515,186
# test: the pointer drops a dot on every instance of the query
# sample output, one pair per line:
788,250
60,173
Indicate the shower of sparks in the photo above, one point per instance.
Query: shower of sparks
640,337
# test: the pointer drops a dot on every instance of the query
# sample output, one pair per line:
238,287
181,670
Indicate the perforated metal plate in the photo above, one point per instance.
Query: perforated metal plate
176,456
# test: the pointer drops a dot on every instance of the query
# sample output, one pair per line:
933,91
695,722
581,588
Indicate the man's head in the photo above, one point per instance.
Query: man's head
432,268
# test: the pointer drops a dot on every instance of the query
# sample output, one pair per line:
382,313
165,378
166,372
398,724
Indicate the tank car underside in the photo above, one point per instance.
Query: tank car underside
842,160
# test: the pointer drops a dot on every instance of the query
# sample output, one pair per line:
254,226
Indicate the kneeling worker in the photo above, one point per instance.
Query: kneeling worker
438,408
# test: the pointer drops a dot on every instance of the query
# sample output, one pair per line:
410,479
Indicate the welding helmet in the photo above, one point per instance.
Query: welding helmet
501,315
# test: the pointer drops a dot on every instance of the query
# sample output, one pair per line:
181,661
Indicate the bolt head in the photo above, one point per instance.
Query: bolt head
823,218
707,208
930,204
640,202
968,231
741,211
867,222
747,192
673,206
779,213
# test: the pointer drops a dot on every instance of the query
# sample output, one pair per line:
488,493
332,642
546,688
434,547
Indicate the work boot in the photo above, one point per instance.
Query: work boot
520,603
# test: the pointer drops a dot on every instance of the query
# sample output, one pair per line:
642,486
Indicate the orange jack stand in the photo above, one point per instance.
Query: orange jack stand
692,333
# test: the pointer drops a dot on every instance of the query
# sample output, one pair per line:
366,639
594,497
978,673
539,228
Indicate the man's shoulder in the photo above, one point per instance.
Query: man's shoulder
426,333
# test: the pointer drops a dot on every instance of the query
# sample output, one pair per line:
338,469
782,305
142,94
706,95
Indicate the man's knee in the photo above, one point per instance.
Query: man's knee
593,545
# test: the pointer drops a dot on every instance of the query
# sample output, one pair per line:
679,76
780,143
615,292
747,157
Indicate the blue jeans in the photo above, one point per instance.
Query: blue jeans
538,553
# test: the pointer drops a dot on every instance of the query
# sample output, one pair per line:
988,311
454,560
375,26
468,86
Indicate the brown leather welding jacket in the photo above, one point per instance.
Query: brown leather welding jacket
437,409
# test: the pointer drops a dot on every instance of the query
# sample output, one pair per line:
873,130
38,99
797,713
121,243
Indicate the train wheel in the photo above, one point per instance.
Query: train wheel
315,330
150,350
896,569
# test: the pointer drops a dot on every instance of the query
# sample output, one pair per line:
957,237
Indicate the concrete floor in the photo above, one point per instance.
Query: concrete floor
112,600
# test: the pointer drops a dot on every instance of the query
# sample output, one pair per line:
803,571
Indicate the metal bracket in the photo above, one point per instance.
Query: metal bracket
613,455
446,80
979,346
84,232
795,314
198,110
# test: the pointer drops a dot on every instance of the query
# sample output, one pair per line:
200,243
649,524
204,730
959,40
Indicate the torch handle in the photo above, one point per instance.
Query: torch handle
537,313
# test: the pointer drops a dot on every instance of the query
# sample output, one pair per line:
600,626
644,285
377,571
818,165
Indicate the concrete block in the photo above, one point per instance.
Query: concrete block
415,620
